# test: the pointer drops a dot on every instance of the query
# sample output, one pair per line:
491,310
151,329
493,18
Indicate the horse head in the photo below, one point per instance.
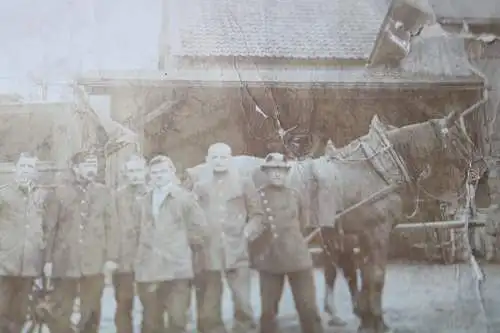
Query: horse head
438,151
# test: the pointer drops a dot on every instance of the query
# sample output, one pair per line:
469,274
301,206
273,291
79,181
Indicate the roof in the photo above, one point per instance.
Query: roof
302,29
466,9
441,55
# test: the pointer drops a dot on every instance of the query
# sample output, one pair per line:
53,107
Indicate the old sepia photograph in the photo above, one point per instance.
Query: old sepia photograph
260,166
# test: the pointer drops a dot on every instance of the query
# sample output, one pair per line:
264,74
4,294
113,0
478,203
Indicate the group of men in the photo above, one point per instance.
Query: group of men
158,238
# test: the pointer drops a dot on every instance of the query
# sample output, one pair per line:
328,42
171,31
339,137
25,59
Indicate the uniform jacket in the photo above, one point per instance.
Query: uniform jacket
164,252
22,231
326,191
84,231
286,250
229,204
128,211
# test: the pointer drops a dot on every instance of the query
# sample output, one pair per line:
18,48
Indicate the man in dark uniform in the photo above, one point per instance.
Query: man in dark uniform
128,207
22,241
281,251
82,246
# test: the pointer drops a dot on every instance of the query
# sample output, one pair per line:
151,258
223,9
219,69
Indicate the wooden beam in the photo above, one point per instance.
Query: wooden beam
453,224
163,108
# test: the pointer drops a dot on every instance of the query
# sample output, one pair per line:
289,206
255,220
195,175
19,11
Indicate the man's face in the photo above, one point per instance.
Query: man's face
277,176
88,169
135,171
161,174
219,159
26,170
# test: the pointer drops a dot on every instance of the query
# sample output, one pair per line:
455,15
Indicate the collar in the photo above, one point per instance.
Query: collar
169,189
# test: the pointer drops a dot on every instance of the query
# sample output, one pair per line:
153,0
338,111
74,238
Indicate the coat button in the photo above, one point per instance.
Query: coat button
82,202
268,209
270,218
265,201
262,194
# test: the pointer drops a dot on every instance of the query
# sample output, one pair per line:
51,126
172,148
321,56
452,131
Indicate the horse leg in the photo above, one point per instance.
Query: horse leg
373,274
348,264
362,301
330,262
378,271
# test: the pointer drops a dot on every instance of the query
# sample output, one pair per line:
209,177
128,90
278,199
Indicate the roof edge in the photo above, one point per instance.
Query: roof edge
105,81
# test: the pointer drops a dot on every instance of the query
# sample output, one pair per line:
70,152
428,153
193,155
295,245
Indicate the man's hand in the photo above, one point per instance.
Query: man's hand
110,266
252,231
47,269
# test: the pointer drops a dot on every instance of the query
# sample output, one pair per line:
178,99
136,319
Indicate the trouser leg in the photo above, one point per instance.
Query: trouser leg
91,289
124,296
7,293
304,295
239,281
63,297
271,289
209,288
14,298
176,296
20,303
152,311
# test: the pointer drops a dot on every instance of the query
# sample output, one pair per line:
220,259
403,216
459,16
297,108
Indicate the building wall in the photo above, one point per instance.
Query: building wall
51,131
209,115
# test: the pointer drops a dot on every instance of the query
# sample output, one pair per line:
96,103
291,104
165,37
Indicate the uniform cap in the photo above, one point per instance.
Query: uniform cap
275,160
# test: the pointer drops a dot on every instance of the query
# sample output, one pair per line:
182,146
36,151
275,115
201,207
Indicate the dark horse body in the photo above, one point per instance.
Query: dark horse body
360,238
433,144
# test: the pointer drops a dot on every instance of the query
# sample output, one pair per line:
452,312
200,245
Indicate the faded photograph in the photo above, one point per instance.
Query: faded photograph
267,166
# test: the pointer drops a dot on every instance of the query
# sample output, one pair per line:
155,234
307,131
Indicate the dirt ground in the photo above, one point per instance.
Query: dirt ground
418,298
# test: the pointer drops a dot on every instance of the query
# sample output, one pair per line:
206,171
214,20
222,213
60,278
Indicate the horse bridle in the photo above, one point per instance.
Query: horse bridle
442,134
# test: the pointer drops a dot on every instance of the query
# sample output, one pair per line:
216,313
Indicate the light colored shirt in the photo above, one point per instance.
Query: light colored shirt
159,195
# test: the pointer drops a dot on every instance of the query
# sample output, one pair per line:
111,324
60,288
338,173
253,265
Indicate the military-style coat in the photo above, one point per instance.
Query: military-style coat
164,252
326,191
22,231
84,231
285,249
128,201
229,203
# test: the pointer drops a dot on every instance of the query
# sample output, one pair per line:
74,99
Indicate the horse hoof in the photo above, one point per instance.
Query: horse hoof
336,321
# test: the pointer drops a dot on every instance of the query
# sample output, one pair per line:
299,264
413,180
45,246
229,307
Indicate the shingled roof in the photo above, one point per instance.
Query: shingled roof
467,9
302,29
